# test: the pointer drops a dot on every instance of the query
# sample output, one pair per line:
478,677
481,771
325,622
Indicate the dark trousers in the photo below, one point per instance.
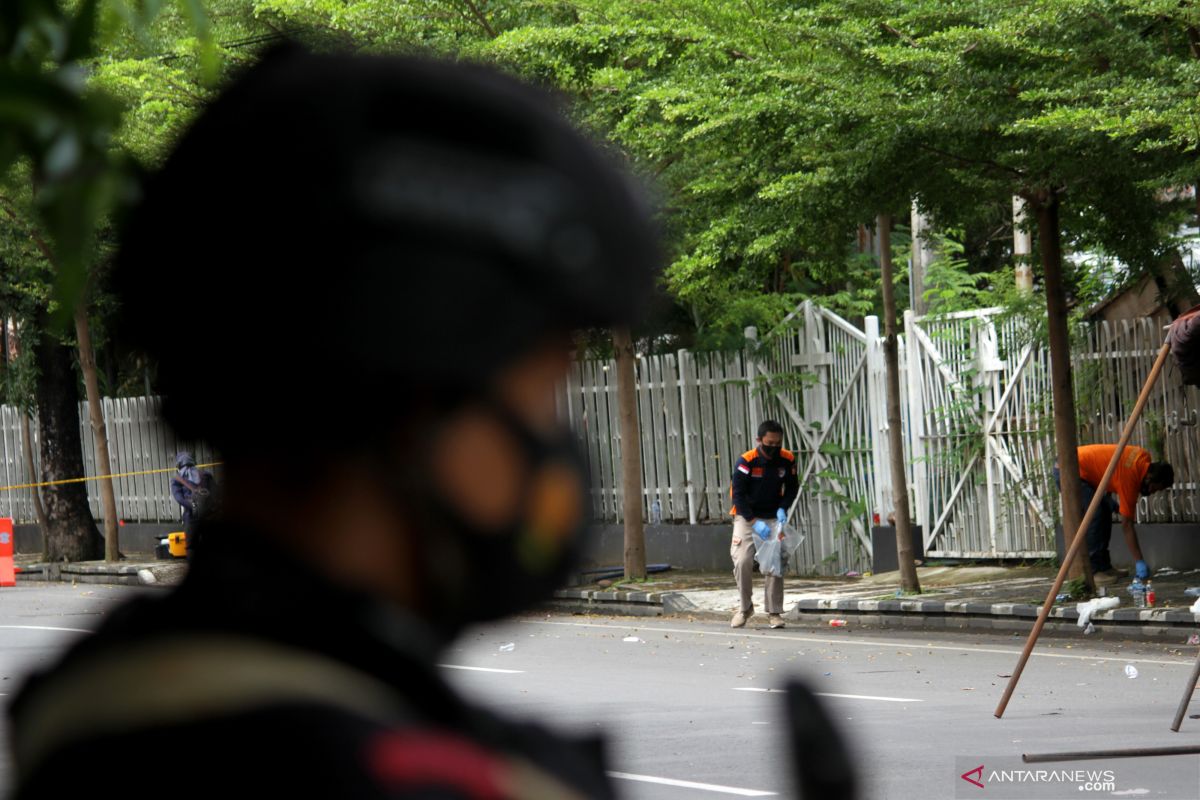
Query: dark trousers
1099,530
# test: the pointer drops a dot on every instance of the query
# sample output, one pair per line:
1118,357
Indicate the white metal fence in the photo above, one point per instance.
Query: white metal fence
977,414
138,442
978,423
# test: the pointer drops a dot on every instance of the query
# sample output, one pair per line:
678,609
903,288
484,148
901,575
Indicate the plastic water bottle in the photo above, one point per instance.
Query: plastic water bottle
1139,593
1150,596
655,513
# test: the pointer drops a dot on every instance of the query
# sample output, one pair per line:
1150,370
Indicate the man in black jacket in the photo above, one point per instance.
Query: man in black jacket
764,486
428,235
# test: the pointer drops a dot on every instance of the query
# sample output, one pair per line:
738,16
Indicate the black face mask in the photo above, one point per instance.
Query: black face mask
474,574
770,451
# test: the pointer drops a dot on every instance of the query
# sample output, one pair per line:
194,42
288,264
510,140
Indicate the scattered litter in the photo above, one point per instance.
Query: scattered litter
1062,598
1004,675
1194,716
1089,630
968,688
1192,591
507,647
1081,684
1165,571
852,574
868,574
730,647
827,674
1195,609
1194,638
1086,610
631,639
1131,671
837,623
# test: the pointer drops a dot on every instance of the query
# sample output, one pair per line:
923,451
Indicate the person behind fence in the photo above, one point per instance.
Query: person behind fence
764,486
1135,477
397,253
192,488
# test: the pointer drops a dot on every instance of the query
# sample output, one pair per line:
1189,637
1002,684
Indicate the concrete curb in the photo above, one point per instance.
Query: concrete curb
163,574
1154,624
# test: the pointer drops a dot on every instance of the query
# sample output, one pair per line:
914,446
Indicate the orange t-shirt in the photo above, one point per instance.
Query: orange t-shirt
1126,480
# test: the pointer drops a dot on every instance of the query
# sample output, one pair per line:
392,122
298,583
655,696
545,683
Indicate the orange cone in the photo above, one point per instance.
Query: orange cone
8,576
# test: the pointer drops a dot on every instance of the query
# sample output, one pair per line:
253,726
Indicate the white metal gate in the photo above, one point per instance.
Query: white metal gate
820,377
979,402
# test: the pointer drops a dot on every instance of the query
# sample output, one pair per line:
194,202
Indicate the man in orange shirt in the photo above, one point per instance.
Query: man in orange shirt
1135,476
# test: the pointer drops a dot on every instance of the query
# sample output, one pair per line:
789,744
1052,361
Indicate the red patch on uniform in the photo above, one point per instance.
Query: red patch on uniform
756,472
743,468
414,760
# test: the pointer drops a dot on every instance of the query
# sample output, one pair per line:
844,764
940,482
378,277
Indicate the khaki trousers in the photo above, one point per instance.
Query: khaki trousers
742,552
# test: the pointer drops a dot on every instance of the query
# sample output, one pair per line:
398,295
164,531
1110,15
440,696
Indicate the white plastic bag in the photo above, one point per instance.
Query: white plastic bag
1086,610
769,553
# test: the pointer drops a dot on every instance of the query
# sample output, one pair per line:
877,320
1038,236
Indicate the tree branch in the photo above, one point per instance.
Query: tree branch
478,16
973,162
898,34
32,232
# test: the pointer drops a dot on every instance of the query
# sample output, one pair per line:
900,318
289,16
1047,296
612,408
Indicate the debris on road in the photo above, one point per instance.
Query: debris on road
1131,671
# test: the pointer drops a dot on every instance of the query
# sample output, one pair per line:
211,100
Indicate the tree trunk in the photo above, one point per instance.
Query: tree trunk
11,345
631,456
71,534
87,364
923,255
1066,438
904,553
39,510
1175,288
1022,246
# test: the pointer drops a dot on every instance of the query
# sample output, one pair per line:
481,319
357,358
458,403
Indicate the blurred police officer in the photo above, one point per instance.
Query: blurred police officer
391,255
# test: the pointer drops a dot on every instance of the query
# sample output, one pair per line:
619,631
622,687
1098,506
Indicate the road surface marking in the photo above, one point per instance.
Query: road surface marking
483,669
704,787
877,643
43,628
832,694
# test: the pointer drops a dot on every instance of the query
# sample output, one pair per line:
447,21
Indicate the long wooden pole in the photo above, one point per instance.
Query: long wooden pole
1077,540
1187,696
1133,752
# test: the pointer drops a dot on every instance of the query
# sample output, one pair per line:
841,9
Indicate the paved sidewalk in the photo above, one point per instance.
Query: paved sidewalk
137,569
954,597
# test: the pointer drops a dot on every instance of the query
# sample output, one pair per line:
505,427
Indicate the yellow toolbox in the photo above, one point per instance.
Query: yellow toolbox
177,544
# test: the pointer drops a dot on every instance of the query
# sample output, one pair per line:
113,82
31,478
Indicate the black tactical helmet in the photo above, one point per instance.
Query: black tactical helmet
342,231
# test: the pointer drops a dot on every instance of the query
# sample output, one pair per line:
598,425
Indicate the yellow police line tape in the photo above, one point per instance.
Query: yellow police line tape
100,478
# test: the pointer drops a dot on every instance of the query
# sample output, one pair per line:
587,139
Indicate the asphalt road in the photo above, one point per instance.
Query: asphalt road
692,702
689,712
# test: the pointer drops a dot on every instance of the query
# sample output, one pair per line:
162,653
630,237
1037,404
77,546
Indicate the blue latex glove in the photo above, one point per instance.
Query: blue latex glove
781,515
1142,570
762,529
